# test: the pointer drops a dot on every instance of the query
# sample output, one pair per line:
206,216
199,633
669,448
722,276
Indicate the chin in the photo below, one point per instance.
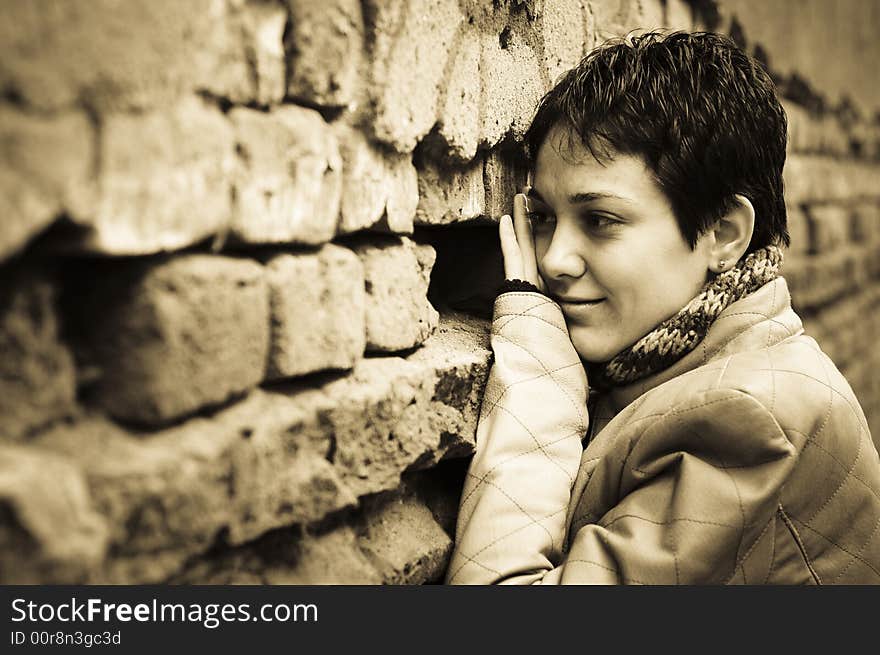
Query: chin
593,352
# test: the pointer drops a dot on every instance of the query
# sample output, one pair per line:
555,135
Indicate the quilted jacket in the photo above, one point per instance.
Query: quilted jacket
748,461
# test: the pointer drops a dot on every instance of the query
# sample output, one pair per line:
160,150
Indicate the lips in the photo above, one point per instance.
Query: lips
578,308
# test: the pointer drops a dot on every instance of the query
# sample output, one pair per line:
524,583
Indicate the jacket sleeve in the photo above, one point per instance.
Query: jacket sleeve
512,515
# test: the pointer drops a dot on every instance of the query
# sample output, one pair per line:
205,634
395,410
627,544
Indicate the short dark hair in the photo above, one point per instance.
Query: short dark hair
702,114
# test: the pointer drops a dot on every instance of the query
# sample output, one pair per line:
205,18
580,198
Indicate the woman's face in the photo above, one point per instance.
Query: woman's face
609,248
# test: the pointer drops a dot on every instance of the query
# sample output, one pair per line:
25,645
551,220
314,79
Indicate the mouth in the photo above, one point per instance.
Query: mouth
576,302
577,306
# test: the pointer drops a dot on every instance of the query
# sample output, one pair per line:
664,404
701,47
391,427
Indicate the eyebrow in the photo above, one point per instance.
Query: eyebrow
578,198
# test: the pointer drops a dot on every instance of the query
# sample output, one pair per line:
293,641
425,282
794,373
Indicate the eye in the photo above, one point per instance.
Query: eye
600,222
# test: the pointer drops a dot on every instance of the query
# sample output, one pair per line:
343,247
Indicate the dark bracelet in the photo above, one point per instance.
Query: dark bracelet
517,285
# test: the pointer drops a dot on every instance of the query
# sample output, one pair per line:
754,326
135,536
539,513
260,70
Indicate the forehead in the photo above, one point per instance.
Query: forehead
565,168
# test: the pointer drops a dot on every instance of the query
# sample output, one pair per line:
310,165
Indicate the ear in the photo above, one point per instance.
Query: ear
731,235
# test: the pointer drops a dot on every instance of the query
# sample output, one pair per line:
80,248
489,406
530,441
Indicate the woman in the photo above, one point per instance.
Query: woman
655,413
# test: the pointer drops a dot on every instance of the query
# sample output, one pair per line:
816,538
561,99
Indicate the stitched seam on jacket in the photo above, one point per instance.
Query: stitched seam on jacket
724,467
504,391
818,381
510,459
617,572
838,546
772,555
513,315
669,521
815,444
745,556
471,558
559,386
797,540
861,550
540,446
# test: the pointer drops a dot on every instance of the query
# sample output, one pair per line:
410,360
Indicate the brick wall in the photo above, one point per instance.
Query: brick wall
246,256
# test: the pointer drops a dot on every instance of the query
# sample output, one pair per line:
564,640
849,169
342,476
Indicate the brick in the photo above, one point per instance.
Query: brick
285,557
511,88
403,541
317,305
563,34
504,175
288,182
833,140
324,51
823,179
866,222
257,28
290,455
829,227
45,169
394,415
176,335
379,190
164,181
450,194
37,377
459,116
88,50
618,17
331,558
397,273
167,496
798,230
411,43
48,526
679,15
799,125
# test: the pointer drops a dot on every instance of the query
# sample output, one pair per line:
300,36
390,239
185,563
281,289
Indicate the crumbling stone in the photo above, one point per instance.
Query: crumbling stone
257,29
330,558
49,529
563,33
176,335
324,51
380,189
504,175
37,377
411,42
45,169
511,88
459,116
317,305
403,541
448,195
397,274
88,49
679,15
292,455
619,17
164,180
289,180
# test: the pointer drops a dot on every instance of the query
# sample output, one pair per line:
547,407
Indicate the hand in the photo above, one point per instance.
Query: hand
518,245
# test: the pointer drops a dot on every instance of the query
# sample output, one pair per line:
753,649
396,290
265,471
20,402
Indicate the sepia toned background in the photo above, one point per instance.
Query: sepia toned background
248,251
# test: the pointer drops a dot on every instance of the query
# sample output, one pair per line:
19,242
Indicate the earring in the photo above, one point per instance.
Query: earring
722,265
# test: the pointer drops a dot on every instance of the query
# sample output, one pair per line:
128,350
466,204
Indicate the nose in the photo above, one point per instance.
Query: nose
563,258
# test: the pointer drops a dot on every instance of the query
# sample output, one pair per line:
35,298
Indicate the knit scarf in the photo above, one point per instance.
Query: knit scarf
678,335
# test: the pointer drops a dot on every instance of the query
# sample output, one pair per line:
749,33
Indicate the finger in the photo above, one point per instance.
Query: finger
510,250
523,230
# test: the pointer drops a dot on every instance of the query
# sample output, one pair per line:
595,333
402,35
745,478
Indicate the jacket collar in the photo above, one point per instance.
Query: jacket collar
760,320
